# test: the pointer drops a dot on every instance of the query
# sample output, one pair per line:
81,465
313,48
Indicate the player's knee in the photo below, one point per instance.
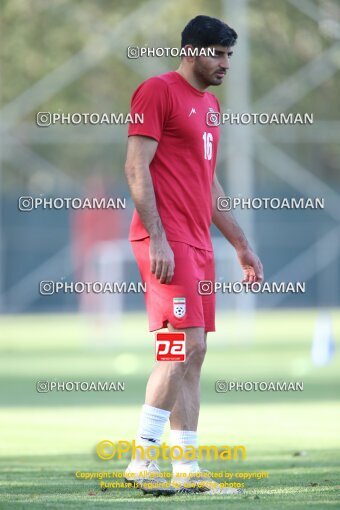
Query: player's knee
196,353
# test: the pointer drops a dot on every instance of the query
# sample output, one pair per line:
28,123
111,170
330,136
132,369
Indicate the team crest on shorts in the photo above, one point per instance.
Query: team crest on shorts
179,307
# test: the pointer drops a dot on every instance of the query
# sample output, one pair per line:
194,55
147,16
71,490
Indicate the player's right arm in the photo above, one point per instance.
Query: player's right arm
140,153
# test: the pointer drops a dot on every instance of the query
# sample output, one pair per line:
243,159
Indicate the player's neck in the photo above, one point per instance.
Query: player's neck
190,78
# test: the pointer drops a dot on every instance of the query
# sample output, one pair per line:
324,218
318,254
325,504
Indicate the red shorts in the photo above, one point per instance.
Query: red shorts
179,302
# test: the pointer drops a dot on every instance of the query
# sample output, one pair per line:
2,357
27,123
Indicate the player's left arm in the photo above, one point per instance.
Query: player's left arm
226,223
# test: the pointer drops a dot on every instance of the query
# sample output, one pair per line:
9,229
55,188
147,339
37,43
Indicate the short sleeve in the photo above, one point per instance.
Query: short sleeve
150,100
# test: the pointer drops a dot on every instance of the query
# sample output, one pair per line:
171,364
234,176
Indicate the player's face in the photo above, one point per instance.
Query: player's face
211,70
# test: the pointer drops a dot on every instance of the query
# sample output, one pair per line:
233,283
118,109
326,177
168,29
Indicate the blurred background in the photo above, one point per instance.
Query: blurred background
67,57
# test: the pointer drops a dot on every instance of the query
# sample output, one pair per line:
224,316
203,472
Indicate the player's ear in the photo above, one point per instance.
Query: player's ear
189,54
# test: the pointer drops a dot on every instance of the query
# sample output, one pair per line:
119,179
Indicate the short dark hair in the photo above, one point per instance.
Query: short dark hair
204,31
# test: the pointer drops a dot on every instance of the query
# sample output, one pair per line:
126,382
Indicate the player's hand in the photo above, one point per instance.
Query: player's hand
162,260
251,266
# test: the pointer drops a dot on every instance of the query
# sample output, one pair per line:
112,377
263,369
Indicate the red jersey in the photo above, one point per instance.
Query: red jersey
183,166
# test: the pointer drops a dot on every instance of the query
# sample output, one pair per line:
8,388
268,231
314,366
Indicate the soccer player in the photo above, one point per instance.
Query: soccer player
170,169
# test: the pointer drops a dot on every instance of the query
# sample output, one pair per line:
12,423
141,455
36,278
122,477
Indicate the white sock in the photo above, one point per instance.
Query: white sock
184,438
151,428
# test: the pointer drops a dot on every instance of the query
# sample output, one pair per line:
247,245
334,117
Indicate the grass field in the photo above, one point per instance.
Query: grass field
47,437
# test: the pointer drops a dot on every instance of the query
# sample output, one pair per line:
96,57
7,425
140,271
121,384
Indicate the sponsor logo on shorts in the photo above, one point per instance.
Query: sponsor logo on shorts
179,307
170,346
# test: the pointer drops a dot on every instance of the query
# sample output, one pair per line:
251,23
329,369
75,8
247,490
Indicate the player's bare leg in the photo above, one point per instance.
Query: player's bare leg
183,422
164,385
166,379
185,412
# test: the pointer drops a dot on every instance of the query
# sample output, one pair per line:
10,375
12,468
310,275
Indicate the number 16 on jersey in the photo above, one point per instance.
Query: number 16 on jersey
208,141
